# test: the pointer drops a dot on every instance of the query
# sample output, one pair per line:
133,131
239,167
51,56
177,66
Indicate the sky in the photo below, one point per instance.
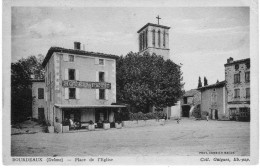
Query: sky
201,38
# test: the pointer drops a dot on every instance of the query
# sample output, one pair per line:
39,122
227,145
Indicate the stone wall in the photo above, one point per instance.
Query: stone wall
231,86
37,103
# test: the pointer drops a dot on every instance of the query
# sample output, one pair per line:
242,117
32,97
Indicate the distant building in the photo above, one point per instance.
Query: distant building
189,101
237,76
214,101
38,100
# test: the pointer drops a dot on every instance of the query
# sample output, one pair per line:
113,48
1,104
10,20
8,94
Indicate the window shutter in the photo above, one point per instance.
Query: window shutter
97,94
77,74
106,94
77,93
66,77
97,90
96,61
66,93
65,57
106,76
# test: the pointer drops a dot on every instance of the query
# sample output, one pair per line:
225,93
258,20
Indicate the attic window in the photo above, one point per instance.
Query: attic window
236,66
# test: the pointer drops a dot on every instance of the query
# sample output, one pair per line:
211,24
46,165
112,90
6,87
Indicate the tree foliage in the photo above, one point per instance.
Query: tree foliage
21,95
148,80
205,81
199,84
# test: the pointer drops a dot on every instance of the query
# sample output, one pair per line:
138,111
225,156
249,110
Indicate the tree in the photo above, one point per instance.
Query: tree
148,80
205,81
199,84
217,81
21,95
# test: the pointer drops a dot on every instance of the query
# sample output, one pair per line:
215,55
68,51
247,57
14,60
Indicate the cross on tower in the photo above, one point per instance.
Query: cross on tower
158,17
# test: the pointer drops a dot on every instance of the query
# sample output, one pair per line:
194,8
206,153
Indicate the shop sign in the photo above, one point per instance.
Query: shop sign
84,84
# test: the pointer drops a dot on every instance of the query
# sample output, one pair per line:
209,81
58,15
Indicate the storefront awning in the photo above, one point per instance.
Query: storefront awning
88,106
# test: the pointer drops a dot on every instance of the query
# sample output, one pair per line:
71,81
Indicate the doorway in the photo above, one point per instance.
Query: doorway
185,110
41,115
214,114
101,114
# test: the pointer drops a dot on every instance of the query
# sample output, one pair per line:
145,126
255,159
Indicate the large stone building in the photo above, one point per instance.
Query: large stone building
79,85
154,38
237,76
214,101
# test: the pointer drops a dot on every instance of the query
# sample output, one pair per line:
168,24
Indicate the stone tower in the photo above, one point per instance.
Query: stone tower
154,38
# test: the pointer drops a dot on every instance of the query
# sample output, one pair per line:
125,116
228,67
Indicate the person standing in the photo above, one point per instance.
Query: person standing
207,116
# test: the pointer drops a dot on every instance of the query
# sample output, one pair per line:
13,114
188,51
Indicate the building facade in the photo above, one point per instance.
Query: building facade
154,38
189,101
79,85
237,76
38,100
214,101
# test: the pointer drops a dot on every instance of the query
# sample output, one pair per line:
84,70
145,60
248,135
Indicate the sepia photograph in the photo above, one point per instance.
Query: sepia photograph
108,83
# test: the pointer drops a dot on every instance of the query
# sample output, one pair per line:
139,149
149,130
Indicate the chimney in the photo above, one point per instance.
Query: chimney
230,60
76,45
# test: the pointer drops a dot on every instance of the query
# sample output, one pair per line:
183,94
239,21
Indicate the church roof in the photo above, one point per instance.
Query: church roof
151,24
72,51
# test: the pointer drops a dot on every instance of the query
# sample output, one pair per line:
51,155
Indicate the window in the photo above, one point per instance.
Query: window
247,76
236,66
40,93
237,78
159,38
153,37
71,58
247,92
237,93
72,93
164,39
185,100
248,65
101,62
102,94
101,76
71,74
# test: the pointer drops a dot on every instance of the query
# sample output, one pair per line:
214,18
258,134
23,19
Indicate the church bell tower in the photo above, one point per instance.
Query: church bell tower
154,38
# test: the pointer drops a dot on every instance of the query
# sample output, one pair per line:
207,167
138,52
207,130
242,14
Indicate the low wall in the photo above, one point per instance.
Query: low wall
142,123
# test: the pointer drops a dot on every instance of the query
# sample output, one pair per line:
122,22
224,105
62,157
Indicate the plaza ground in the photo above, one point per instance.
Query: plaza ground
189,138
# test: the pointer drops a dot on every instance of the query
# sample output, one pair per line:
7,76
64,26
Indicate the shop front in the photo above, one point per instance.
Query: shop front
82,116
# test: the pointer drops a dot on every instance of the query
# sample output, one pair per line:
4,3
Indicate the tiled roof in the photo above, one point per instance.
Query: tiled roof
238,61
190,93
216,85
72,51
151,24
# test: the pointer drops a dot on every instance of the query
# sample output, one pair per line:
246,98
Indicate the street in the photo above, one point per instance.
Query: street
188,138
